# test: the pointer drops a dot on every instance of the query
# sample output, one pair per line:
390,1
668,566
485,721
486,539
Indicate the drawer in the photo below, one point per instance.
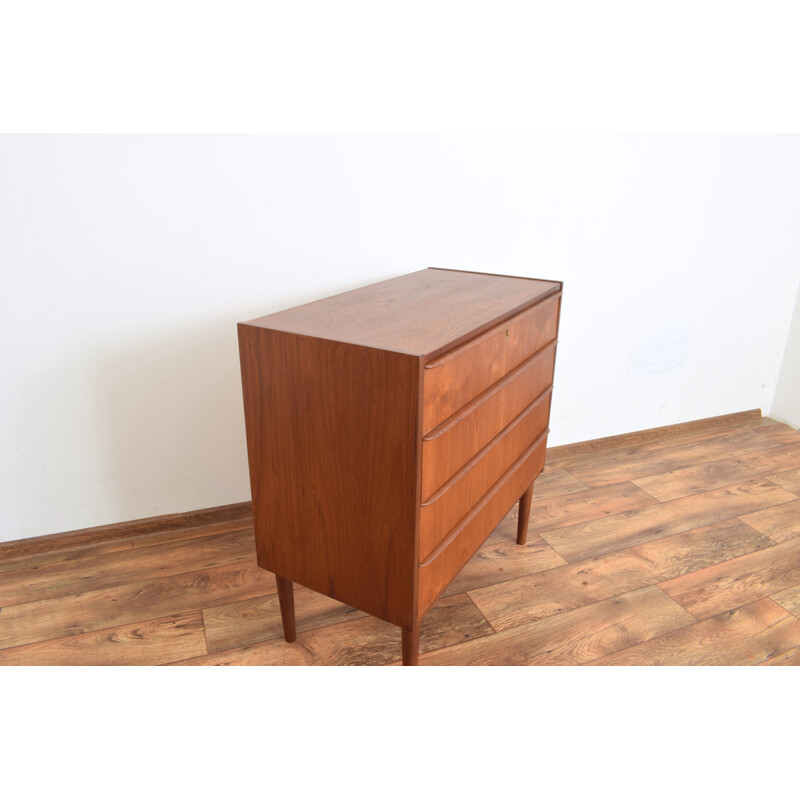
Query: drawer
455,378
455,551
449,446
454,500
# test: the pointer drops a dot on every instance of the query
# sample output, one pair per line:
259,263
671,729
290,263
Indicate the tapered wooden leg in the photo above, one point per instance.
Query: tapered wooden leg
411,646
524,515
286,599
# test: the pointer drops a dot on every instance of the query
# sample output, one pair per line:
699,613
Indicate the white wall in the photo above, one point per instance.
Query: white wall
786,405
127,260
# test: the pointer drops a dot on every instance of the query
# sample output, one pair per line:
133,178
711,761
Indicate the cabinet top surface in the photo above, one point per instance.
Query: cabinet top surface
423,313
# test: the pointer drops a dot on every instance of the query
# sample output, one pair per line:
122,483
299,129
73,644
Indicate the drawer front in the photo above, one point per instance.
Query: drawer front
447,560
447,448
466,488
457,377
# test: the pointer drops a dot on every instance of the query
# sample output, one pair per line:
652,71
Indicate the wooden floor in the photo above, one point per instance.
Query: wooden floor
681,549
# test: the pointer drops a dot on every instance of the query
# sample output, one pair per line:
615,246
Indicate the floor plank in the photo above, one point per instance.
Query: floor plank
687,551
780,522
134,602
155,641
73,555
655,437
115,569
557,460
244,523
630,528
587,505
371,641
274,653
503,560
789,599
628,468
779,432
555,483
791,658
789,480
711,475
258,619
546,594
746,635
702,547
573,637
733,583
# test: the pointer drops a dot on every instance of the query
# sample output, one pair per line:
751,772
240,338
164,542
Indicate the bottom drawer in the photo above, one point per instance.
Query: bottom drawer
453,553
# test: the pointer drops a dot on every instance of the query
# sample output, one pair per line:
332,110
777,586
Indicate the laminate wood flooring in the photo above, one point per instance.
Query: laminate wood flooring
675,546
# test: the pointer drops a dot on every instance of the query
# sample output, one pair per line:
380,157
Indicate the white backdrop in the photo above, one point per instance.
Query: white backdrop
786,405
127,261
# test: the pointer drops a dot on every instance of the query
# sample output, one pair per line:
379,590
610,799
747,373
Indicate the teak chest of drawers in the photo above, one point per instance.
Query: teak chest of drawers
390,429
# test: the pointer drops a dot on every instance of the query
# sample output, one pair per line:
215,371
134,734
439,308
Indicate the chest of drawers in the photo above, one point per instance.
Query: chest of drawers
390,429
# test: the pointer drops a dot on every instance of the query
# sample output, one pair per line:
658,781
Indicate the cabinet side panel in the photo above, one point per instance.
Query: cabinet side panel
332,444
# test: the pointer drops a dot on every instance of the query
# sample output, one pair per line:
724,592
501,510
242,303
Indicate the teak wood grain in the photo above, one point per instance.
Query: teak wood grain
455,378
440,513
333,462
338,397
449,446
737,568
423,314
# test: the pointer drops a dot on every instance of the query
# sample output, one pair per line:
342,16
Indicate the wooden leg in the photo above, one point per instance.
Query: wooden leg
524,515
411,646
286,599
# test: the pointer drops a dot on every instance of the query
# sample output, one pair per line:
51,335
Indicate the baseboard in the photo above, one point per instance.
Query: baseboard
124,530
191,519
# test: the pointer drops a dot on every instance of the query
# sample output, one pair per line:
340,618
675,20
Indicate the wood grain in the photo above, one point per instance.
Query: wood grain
640,525
342,523
133,602
423,313
115,569
460,545
504,560
780,522
778,432
122,530
275,653
155,641
739,564
702,477
452,502
448,447
552,592
585,451
584,506
74,555
741,580
258,619
789,480
243,523
556,483
369,641
702,547
789,658
746,635
614,469
789,599
573,637
460,375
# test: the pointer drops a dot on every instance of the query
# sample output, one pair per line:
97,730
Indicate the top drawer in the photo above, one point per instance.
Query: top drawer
455,378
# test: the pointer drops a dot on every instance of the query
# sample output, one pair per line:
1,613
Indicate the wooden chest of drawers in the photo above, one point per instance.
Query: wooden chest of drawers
390,429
